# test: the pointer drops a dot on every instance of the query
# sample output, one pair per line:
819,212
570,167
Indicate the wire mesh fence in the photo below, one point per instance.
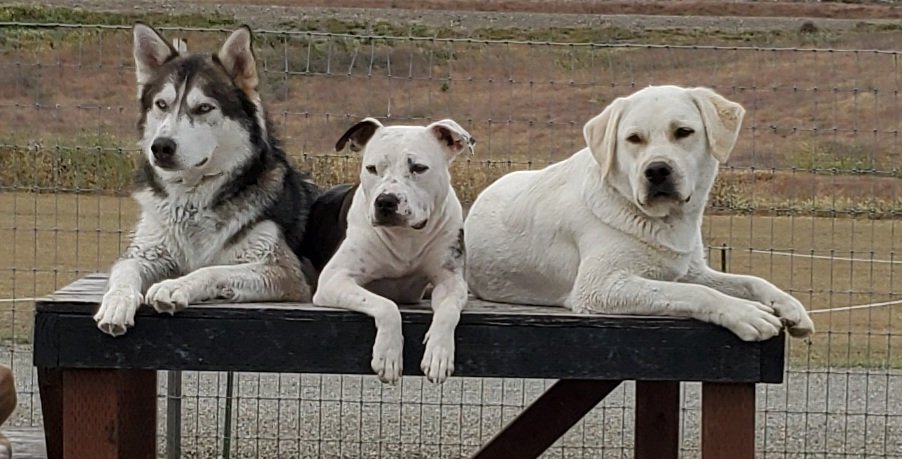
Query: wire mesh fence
811,199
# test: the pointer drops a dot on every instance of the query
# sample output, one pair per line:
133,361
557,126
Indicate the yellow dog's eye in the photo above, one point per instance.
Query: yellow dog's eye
683,132
418,168
634,138
371,169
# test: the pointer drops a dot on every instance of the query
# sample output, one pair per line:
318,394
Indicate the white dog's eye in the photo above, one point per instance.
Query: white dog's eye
418,168
371,169
683,132
634,138
161,104
204,108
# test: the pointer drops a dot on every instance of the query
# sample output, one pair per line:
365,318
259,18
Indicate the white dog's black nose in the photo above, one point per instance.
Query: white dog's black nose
386,204
163,149
658,172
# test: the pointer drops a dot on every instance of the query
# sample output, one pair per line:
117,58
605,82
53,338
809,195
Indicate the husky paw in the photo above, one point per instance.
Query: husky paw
117,310
388,356
171,295
438,360
752,321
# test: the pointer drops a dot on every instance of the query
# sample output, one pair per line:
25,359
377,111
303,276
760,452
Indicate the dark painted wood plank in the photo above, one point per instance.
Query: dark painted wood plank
341,343
109,414
546,419
657,420
728,421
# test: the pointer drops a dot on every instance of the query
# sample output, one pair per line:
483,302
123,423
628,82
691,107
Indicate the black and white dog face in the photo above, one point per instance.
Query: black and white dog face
405,168
200,112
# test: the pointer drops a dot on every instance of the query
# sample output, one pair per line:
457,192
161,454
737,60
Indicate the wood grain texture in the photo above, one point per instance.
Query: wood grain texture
109,414
728,421
546,419
491,341
657,420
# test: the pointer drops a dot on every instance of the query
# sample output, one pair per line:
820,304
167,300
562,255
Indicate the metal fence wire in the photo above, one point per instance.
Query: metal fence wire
811,199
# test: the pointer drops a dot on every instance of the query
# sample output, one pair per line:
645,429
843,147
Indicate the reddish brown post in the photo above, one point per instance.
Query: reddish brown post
109,414
728,421
657,420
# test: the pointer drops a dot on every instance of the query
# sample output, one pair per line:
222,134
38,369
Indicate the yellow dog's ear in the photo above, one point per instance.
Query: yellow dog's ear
601,134
722,118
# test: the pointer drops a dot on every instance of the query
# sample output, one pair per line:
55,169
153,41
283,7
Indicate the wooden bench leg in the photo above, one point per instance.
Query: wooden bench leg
109,414
50,385
657,420
728,421
547,419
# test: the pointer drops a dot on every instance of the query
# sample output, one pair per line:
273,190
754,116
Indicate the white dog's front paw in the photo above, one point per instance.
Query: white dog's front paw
751,321
117,310
388,353
792,313
438,359
171,295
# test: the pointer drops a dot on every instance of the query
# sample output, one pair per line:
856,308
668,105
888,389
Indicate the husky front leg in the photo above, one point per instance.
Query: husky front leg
240,283
448,298
337,288
142,264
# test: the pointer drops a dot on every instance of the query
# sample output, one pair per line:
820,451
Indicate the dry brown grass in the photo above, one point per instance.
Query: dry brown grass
53,239
654,7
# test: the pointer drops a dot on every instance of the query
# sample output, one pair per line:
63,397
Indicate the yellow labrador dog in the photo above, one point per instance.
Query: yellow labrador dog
616,227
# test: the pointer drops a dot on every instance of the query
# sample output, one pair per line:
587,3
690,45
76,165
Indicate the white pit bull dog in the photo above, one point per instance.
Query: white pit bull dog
404,232
616,227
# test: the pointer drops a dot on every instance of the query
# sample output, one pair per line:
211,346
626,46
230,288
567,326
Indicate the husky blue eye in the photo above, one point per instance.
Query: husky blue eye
161,104
204,108
371,169
418,168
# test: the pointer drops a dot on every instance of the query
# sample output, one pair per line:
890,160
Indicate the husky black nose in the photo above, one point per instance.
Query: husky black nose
163,149
658,172
386,204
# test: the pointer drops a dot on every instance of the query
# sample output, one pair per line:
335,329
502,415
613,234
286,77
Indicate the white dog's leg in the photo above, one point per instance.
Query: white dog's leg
141,266
624,293
448,298
756,289
338,289
240,283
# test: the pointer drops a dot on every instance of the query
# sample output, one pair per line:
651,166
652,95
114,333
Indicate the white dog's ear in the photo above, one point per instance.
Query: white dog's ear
151,51
358,135
601,134
237,58
722,119
453,138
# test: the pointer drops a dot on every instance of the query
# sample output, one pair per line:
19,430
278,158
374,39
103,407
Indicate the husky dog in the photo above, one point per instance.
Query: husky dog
223,212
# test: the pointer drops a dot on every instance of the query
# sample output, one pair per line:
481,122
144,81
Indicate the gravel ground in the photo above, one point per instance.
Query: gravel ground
816,413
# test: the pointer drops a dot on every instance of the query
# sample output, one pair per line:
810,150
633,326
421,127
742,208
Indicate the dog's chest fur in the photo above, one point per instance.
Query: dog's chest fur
197,235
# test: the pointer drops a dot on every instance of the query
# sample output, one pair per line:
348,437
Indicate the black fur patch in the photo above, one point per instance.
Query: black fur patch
328,224
456,253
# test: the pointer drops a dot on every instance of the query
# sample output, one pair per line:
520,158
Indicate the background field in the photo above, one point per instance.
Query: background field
811,198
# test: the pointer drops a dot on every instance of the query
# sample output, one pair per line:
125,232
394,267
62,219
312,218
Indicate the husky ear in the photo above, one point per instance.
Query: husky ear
453,138
151,51
237,58
358,135
180,45
601,134
722,119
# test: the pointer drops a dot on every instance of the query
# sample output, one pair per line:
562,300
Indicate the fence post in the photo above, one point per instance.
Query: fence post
227,427
173,414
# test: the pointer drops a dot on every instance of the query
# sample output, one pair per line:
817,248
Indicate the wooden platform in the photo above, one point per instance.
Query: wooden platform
99,393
